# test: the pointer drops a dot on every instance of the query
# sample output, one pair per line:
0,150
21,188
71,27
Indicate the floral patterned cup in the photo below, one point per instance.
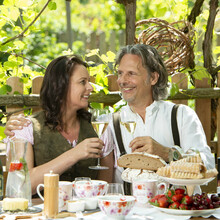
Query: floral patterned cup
144,190
91,188
65,193
116,207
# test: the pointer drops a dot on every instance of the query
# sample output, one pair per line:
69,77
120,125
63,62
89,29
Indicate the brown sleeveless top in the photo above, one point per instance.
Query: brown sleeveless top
49,144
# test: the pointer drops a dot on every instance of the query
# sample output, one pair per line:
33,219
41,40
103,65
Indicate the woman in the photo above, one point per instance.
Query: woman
61,137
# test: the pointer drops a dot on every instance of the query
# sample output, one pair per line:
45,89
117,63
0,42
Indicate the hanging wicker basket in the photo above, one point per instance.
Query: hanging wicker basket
174,41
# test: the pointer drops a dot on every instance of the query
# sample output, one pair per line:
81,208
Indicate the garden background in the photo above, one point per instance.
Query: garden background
35,32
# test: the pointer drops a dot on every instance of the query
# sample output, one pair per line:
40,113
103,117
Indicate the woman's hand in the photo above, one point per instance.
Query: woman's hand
16,122
89,148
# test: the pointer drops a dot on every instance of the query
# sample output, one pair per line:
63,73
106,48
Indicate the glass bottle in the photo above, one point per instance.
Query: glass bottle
18,183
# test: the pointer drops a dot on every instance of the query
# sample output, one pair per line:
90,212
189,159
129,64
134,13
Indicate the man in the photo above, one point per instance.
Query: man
143,81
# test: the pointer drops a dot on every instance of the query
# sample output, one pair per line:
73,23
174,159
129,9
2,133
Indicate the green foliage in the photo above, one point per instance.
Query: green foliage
2,135
52,6
5,89
101,70
28,54
174,89
201,73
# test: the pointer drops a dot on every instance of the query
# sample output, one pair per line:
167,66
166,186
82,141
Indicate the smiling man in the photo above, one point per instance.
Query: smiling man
143,81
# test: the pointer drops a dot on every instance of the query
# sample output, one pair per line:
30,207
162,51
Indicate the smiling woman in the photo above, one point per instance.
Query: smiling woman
61,137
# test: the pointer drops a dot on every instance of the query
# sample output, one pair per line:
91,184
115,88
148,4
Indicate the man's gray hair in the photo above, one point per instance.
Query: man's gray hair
152,62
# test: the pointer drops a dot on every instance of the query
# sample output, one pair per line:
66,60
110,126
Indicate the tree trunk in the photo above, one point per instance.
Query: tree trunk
207,43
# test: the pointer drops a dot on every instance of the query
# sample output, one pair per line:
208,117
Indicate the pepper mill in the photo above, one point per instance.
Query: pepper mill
51,195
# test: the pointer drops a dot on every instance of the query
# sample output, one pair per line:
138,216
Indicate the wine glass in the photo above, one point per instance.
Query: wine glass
128,122
115,189
79,186
100,120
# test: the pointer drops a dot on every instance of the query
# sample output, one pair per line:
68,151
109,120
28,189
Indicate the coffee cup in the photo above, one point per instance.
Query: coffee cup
145,189
65,193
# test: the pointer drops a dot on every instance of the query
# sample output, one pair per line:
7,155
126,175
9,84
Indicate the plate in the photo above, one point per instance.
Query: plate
186,181
187,212
31,210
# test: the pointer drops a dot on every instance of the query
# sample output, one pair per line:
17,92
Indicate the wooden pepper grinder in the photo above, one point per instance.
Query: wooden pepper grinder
51,195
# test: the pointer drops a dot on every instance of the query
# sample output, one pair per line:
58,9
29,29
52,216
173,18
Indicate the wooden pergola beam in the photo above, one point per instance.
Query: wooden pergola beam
68,24
130,11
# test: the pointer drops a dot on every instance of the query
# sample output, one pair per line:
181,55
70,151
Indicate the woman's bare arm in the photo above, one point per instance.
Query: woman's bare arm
89,148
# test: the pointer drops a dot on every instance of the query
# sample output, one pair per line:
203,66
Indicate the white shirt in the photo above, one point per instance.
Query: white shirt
158,125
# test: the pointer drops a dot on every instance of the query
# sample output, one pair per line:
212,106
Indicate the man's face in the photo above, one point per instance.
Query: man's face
134,80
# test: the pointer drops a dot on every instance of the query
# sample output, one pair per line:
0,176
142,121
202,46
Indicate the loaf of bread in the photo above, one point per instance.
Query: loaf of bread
190,167
14,204
141,160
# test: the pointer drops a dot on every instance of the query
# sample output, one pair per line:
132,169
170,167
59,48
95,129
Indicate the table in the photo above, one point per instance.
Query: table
38,201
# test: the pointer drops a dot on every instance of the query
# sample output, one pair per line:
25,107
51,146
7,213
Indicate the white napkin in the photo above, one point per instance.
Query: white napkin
216,214
154,214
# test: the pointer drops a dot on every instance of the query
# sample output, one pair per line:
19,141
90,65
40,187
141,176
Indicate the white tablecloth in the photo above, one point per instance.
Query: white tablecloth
137,213
141,214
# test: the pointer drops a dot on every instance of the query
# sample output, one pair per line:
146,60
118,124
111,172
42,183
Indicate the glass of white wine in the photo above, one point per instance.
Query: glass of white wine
100,120
128,122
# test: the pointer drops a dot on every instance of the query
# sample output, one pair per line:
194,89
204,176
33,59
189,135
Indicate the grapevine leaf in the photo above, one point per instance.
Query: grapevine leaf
52,5
174,89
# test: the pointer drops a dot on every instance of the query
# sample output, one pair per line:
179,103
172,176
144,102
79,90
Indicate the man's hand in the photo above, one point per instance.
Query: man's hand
149,145
16,122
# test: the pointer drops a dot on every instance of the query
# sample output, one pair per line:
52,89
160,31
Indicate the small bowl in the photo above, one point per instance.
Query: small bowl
116,207
90,203
90,188
75,205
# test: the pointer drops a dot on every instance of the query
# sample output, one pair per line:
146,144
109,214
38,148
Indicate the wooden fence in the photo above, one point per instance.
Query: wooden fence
96,40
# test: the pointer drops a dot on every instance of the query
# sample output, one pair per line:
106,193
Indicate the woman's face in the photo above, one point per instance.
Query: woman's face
79,88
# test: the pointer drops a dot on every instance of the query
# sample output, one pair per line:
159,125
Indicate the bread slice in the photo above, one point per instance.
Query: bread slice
141,160
179,166
164,171
211,173
185,175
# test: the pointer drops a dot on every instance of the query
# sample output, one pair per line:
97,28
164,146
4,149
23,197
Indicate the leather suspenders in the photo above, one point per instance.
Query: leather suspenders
116,123
175,131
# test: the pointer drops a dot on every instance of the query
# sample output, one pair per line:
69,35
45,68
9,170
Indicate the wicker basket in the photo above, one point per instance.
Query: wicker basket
174,41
